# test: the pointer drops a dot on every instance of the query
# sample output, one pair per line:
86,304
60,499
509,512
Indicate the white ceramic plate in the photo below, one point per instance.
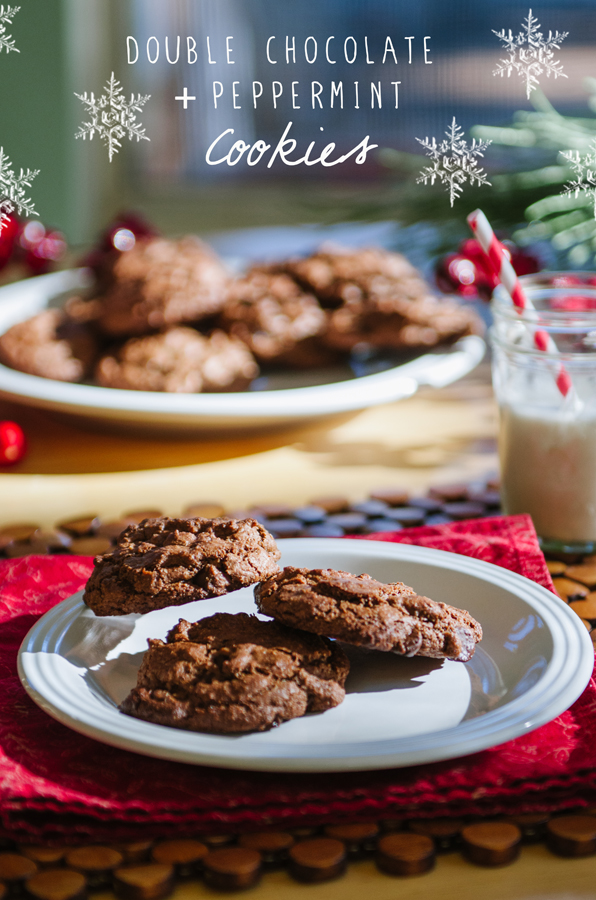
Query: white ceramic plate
212,412
534,661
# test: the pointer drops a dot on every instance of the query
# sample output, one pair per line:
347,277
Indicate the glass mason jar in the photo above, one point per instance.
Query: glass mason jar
547,440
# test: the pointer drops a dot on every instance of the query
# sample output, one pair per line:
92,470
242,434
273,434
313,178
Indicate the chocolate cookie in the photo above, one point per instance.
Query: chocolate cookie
49,345
161,283
377,297
359,610
179,360
274,317
168,562
229,674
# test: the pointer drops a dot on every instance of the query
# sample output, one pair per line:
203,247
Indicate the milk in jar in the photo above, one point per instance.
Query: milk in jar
548,468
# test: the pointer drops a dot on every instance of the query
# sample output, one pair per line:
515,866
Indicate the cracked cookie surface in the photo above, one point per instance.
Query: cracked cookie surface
230,674
359,610
168,562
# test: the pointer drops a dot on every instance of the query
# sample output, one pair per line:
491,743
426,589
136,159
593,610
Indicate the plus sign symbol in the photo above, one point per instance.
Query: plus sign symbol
185,97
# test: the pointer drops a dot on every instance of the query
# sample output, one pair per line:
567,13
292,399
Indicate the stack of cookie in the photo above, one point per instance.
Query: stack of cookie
235,673
165,315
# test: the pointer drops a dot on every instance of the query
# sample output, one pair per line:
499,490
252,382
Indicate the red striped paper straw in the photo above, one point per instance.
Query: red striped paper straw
497,256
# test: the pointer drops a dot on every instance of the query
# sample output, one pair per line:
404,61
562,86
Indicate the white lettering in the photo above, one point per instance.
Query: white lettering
316,46
409,40
427,61
316,95
256,96
350,61
191,51
235,95
217,94
276,95
337,91
290,48
332,61
216,162
229,51
173,61
396,85
153,61
129,41
369,61
294,95
389,48
272,61
211,61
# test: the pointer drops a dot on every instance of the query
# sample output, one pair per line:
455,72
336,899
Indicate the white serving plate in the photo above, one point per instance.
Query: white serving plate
535,659
132,410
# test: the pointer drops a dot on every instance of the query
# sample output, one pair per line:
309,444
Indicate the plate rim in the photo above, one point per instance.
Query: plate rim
392,384
564,679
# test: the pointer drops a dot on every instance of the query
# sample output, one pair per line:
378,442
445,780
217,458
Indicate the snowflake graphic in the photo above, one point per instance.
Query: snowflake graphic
12,189
112,116
454,162
7,13
584,168
530,54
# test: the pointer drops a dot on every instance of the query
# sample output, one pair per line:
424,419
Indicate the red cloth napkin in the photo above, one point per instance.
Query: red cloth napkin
55,783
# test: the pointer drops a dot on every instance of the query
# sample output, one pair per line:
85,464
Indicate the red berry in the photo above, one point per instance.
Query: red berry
13,445
9,234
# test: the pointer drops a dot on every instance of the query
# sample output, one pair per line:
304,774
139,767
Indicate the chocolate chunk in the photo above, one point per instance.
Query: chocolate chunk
391,495
232,868
214,841
349,521
169,562
379,525
570,590
325,529
136,516
317,859
532,825
331,505
112,530
572,835
370,508
90,546
449,493
16,869
584,573
149,882
285,528
406,515
310,515
392,824
405,854
491,843
80,527
135,851
444,832
492,499
206,510
428,504
43,856
236,673
272,845
185,855
362,611
95,862
359,837
57,884
18,531
464,510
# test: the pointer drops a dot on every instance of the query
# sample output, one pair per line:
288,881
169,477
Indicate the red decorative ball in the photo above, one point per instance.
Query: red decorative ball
13,445
41,248
9,234
469,273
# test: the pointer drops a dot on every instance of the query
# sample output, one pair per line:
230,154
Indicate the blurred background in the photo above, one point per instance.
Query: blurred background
74,45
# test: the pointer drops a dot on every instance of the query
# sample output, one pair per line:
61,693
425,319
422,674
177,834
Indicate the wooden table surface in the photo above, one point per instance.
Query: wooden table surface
435,436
